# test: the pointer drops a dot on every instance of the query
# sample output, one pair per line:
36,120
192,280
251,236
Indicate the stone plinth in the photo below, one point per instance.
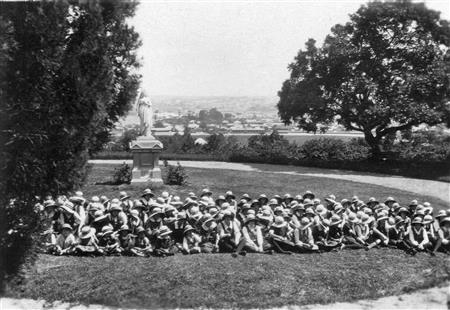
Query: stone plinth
146,150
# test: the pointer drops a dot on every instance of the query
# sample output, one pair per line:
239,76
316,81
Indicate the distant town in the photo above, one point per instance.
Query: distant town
241,117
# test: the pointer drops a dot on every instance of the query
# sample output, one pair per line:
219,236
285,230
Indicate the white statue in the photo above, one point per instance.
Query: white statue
145,113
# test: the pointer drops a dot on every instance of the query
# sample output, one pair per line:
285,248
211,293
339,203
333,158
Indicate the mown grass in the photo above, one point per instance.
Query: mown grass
220,281
253,183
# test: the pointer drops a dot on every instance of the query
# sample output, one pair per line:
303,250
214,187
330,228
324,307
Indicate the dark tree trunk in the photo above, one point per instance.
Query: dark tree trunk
374,143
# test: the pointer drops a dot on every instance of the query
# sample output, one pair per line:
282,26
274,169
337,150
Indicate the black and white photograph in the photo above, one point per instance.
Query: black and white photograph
224,154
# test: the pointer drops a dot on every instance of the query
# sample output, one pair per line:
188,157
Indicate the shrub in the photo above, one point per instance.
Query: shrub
122,174
175,175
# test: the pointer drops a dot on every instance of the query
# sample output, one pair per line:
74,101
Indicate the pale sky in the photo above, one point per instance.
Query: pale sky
232,48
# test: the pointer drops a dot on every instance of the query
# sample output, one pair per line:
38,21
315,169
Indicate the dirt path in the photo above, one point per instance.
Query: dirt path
436,189
434,298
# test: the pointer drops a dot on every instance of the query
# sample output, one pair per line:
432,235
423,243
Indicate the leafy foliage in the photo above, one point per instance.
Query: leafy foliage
122,174
66,77
386,70
175,175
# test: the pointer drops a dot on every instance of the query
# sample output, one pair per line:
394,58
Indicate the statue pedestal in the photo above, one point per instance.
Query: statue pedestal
146,150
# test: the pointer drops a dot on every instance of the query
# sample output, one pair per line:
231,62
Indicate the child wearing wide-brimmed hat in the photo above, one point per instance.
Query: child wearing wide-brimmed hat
191,241
164,245
443,242
154,223
351,239
397,234
125,202
303,237
142,246
117,218
65,241
252,239
108,241
229,233
281,235
126,240
418,237
88,242
209,234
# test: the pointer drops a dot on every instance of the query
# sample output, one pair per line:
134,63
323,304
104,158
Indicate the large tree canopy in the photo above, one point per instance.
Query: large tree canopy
67,73
385,70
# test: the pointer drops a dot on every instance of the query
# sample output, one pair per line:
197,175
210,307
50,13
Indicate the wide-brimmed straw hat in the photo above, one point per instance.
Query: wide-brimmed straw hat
287,196
147,192
399,220
164,231
107,230
307,202
352,218
445,220
140,229
310,211
298,207
67,207
208,222
123,195
176,202
427,219
372,200
220,199
205,192
188,228
87,232
263,197
250,218
390,199
50,204
417,220
273,202
278,209
403,210
441,214
321,210
125,228
246,197
229,194
304,223
99,216
156,211
279,222
365,219
413,203
308,194
115,207
335,220
67,226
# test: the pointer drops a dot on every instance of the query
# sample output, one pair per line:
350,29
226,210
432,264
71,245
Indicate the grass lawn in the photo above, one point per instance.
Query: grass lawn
253,183
220,281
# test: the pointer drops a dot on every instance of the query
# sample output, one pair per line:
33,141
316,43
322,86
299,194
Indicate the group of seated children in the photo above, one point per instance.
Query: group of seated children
166,225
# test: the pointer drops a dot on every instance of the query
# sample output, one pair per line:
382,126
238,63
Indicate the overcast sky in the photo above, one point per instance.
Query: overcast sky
232,48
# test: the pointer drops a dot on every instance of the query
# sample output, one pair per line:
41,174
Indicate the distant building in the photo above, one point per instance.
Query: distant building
200,141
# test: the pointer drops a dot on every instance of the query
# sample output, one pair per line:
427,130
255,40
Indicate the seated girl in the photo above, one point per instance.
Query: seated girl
191,241
280,236
304,241
252,239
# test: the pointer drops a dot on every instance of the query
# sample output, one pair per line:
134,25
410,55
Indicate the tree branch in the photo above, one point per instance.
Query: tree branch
394,129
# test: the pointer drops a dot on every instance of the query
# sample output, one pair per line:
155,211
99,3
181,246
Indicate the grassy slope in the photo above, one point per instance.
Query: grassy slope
221,281
253,183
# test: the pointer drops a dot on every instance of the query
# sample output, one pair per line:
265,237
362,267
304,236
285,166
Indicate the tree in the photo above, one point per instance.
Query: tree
67,75
385,70
128,136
